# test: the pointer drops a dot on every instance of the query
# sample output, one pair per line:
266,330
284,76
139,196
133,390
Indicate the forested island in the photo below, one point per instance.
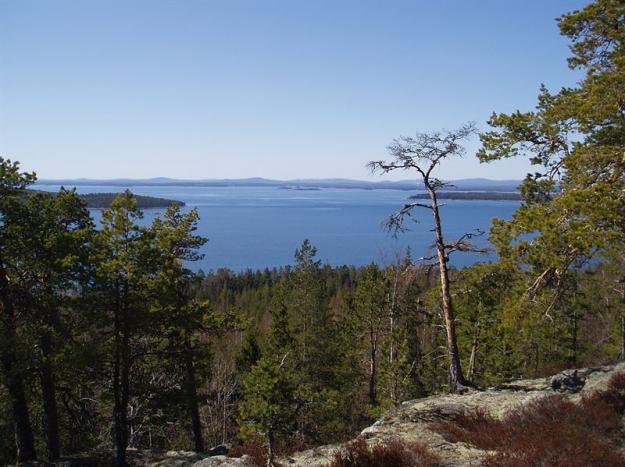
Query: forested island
113,351
104,200
473,195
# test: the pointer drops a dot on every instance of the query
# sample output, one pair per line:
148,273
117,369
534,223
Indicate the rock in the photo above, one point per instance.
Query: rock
177,459
223,461
568,381
220,450
181,454
82,462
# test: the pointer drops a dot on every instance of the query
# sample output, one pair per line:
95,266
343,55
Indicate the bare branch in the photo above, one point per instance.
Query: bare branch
283,360
424,151
464,243
395,223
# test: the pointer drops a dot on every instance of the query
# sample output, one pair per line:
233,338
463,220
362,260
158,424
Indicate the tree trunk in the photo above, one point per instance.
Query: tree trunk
622,336
474,347
270,448
12,375
391,356
120,382
573,359
190,385
373,371
456,378
48,394
623,326
120,454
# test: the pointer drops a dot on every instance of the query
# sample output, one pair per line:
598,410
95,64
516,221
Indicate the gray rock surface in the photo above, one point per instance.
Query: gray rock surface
223,461
194,459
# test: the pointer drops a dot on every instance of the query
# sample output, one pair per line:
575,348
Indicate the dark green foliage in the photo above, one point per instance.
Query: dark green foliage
575,138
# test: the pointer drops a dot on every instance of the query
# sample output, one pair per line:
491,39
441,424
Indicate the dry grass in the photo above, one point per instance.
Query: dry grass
393,453
552,431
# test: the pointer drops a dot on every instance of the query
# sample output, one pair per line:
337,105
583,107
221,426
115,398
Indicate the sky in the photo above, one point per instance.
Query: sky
263,88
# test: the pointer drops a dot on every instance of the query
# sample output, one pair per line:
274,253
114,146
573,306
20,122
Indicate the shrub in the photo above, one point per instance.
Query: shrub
393,453
552,431
255,448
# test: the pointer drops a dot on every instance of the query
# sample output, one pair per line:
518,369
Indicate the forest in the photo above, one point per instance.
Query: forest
110,340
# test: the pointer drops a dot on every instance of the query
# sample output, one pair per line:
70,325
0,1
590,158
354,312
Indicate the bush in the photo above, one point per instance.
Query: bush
393,453
552,431
255,448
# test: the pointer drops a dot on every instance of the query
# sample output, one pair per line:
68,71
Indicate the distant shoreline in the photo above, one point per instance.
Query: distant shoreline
484,185
473,195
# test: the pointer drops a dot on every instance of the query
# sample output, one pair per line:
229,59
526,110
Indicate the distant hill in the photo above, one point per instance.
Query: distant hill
469,184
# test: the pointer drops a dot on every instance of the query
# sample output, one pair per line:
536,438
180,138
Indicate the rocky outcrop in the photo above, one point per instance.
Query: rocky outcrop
214,458
411,420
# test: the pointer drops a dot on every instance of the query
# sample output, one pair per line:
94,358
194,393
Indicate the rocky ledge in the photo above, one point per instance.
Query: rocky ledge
411,420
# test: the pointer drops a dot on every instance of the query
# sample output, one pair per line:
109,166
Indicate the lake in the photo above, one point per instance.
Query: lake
258,227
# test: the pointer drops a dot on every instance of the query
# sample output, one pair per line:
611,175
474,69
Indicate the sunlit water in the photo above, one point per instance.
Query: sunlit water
258,227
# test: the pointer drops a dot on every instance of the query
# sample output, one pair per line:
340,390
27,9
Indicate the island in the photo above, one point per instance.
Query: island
103,200
474,195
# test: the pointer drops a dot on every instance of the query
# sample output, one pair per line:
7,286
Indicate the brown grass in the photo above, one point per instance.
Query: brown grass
552,431
393,453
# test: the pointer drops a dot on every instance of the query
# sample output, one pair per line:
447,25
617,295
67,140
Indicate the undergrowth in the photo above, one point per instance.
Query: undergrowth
254,448
552,431
393,453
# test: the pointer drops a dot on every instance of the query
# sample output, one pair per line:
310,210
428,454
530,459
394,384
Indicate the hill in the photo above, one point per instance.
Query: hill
472,184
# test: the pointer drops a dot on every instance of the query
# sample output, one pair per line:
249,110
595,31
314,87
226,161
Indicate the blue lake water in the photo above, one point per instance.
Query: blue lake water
258,227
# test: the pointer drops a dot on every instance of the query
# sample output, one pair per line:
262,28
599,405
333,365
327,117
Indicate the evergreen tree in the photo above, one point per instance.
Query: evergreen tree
573,205
122,261
373,313
179,314
13,183
53,233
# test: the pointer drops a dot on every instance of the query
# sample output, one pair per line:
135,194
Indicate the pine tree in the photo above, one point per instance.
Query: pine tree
179,315
573,204
54,232
423,154
122,258
13,183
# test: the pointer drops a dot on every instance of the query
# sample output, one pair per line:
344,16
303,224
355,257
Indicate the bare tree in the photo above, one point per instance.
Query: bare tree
423,153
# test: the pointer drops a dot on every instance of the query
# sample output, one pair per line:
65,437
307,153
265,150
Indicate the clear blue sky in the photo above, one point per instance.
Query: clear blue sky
281,89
